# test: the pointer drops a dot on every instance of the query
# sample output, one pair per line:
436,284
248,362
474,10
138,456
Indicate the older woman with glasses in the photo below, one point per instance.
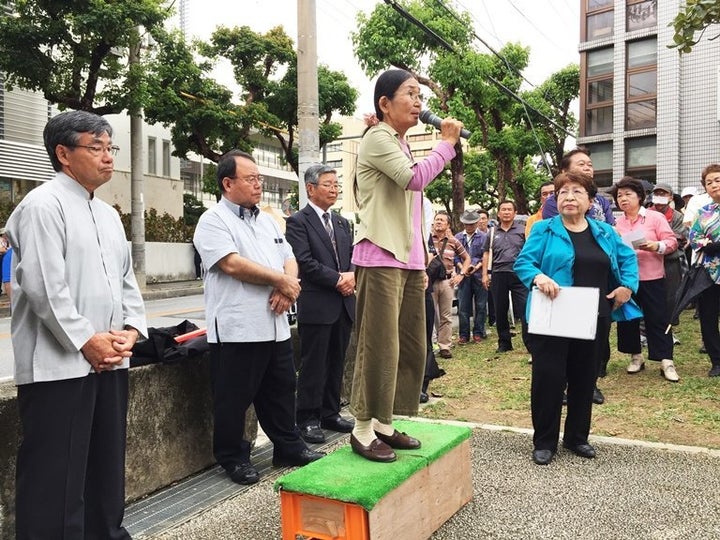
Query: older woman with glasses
390,261
652,238
572,250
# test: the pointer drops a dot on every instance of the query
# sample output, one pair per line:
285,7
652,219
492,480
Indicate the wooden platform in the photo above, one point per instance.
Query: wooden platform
345,497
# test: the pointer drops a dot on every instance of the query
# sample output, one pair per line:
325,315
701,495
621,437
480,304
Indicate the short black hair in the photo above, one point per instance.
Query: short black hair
66,128
226,166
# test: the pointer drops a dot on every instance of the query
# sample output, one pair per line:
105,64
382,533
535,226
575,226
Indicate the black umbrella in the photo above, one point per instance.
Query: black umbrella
693,283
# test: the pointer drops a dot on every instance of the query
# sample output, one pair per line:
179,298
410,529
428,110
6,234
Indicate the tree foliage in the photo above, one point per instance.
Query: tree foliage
696,16
204,115
75,52
476,88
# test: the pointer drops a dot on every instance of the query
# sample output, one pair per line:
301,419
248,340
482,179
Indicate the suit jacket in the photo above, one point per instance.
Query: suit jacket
319,302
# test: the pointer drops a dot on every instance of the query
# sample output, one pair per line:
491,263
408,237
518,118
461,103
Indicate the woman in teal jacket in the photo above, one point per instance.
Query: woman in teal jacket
571,250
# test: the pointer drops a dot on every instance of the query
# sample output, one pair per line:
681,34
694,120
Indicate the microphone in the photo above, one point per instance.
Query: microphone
426,117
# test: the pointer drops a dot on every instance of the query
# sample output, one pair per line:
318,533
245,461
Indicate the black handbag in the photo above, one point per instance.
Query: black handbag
436,270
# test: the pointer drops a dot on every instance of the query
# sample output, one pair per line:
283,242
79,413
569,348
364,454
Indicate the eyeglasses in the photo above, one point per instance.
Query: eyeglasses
414,95
329,187
576,193
252,179
97,150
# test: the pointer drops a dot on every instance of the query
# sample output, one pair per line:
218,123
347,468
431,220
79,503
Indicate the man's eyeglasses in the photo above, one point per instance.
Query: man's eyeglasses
96,150
329,187
252,179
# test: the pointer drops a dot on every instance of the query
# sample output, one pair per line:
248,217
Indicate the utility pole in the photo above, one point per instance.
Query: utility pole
308,134
137,208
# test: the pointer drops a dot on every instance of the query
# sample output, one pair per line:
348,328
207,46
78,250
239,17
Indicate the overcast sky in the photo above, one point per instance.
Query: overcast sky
549,27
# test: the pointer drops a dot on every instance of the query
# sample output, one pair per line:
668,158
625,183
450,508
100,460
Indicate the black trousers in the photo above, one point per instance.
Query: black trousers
322,363
652,300
262,374
502,285
559,362
709,308
71,461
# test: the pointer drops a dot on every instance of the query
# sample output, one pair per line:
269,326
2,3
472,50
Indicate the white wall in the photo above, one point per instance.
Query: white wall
166,261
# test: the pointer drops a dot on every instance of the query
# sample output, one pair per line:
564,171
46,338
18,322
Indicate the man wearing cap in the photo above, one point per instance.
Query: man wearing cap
662,196
322,243
472,296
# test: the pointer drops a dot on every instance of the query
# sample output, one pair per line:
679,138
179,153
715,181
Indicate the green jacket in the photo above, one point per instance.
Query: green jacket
383,173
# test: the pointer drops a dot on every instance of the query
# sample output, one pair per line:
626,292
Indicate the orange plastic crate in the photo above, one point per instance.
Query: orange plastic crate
306,517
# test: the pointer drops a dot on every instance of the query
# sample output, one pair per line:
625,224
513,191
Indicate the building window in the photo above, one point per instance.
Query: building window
640,14
641,158
598,94
166,159
601,156
152,155
599,17
641,84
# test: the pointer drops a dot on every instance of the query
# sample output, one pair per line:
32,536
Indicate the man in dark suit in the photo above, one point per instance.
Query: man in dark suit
322,243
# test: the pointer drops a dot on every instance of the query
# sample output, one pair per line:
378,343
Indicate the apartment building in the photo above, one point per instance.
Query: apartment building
645,110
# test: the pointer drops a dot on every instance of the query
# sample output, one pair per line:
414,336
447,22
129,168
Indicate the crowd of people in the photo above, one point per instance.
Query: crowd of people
77,309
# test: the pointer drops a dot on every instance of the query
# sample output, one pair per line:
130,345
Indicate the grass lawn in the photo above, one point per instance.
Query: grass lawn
481,386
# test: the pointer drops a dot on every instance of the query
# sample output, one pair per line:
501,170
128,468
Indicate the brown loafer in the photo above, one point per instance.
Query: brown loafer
375,451
399,441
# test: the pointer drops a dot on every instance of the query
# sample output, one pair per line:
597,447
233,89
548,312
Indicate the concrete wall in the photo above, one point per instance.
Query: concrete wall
169,432
166,261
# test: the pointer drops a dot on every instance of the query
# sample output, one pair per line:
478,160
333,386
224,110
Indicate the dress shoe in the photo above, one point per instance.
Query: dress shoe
478,339
311,432
503,348
298,459
463,341
714,371
636,365
244,474
399,440
424,398
667,368
582,450
445,353
375,451
543,457
598,398
337,423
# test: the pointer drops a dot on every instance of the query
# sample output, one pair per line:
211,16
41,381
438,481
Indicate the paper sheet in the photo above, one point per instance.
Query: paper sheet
572,314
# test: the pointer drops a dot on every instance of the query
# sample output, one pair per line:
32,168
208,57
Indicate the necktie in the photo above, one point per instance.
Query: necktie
328,228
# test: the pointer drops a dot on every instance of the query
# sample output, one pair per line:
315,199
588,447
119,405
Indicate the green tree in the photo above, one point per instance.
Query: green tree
74,52
696,16
204,115
475,88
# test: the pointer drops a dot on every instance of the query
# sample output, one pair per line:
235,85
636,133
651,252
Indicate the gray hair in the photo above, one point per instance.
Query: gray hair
315,171
65,129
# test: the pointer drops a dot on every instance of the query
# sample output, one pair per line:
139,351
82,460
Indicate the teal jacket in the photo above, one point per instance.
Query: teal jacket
550,251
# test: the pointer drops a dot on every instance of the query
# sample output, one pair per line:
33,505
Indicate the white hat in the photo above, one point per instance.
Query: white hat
688,191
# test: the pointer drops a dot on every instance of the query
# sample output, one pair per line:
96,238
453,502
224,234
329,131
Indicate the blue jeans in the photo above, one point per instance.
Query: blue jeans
472,297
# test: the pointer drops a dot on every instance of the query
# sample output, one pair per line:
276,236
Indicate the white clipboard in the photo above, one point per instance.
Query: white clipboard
572,314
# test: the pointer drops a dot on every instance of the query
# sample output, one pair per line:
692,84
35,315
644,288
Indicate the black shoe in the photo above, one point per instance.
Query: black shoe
542,457
598,398
582,450
714,371
311,432
424,398
503,348
564,398
337,423
445,353
303,457
244,474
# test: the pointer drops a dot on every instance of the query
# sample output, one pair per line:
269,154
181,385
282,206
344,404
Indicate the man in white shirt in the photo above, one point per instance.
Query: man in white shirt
250,283
77,312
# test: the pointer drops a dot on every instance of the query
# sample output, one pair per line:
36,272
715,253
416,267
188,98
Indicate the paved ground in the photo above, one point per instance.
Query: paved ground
632,490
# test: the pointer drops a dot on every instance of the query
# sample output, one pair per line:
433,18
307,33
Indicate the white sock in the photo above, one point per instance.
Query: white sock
363,431
385,429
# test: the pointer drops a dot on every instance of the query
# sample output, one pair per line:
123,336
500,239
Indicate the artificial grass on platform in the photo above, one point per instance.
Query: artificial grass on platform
345,476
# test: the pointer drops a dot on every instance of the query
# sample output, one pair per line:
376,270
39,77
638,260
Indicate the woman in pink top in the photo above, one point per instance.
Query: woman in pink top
652,238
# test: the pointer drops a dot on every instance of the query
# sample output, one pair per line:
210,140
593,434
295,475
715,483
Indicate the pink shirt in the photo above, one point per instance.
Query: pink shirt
656,229
365,253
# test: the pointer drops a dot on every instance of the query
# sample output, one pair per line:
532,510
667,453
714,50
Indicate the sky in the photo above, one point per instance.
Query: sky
551,29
